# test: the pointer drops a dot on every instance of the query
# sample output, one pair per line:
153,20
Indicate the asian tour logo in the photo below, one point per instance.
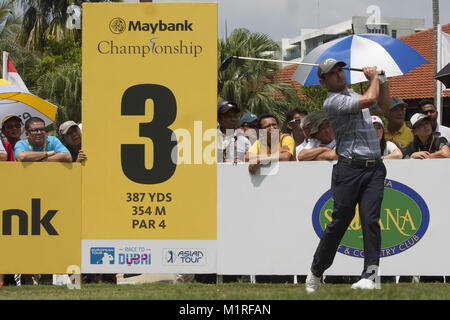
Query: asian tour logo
403,221
184,256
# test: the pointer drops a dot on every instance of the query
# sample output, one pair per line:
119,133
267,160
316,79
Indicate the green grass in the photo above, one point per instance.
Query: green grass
226,291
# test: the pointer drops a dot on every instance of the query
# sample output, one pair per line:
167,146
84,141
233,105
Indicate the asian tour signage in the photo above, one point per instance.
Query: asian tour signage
403,221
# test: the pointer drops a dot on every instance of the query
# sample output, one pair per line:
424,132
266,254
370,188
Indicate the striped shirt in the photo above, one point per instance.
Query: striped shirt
353,129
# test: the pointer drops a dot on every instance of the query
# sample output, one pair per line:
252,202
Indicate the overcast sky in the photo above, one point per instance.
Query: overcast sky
284,18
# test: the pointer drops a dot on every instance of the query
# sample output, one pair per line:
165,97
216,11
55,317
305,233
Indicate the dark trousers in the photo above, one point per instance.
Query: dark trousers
351,185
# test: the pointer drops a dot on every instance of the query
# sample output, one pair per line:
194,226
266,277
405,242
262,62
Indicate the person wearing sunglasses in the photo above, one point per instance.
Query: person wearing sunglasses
12,131
38,146
427,107
293,122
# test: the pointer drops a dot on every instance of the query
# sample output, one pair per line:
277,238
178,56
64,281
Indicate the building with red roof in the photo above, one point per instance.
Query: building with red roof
418,84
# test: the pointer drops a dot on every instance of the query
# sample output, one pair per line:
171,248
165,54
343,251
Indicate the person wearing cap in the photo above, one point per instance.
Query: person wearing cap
12,130
38,146
305,124
271,146
425,144
396,129
388,148
427,107
70,135
358,176
247,127
231,147
321,145
293,122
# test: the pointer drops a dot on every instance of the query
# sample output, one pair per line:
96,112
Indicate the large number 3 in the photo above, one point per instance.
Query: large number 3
164,114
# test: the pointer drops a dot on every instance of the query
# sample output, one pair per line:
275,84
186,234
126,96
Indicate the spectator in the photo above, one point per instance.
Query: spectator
293,122
266,149
321,144
425,145
389,149
306,127
231,147
427,107
247,127
12,130
396,130
70,135
3,150
38,146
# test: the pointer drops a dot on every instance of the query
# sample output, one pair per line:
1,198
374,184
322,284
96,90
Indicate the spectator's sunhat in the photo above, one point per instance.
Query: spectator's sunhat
248,118
326,65
376,119
316,118
10,116
305,121
64,127
226,106
395,102
417,119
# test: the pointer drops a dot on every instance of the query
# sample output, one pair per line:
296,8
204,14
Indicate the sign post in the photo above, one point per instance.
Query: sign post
149,122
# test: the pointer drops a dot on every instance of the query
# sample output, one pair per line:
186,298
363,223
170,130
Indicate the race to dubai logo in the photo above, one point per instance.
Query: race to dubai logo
404,219
117,25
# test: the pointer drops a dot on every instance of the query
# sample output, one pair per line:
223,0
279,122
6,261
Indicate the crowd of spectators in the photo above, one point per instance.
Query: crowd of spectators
310,137
29,142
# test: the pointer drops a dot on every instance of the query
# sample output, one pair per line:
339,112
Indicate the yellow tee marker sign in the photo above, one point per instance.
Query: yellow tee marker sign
149,71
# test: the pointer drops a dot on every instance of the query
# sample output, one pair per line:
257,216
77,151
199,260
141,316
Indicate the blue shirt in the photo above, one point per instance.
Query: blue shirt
353,128
52,144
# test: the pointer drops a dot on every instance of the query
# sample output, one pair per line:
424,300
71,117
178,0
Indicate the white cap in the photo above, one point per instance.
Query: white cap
376,119
416,118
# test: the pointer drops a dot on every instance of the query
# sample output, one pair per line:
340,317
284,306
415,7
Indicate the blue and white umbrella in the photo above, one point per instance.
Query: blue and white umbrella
362,50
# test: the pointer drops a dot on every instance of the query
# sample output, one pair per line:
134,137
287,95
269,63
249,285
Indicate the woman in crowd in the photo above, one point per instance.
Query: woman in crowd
388,148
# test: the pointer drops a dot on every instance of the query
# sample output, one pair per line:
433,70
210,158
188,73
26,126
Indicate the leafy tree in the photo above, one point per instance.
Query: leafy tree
63,88
251,83
9,21
44,18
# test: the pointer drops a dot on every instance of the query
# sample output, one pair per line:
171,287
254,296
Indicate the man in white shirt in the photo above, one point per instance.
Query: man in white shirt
321,144
427,107
231,147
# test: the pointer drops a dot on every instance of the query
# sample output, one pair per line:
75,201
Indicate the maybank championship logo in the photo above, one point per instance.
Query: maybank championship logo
154,44
403,221
117,25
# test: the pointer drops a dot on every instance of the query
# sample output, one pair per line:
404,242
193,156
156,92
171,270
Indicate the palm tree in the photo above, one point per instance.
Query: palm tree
9,22
43,18
63,88
251,83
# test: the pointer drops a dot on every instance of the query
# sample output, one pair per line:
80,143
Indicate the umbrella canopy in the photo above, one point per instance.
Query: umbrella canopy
357,51
24,104
444,76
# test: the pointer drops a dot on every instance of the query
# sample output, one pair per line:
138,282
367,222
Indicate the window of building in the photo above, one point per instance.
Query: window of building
394,33
380,28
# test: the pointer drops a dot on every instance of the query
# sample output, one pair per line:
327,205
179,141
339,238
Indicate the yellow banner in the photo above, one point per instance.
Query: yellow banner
149,108
41,217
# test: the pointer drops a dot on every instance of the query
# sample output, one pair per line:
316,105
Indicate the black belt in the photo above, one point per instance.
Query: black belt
360,163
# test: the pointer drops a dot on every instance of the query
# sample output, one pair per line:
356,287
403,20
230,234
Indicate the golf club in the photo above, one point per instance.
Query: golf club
227,61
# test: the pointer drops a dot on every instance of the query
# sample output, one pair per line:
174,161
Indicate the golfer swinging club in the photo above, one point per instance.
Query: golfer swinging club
358,176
